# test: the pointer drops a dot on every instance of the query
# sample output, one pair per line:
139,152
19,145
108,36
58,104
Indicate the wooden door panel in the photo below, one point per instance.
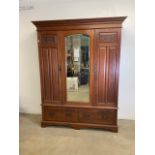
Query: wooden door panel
50,64
106,56
102,75
55,85
44,53
107,75
111,75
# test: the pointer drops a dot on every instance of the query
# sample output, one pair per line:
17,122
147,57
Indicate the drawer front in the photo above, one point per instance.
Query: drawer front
98,116
53,114
71,115
60,114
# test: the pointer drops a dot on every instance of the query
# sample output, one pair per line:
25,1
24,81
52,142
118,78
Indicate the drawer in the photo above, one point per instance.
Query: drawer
97,116
60,114
71,115
53,114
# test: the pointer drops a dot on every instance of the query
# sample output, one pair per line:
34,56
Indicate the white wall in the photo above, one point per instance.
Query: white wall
30,99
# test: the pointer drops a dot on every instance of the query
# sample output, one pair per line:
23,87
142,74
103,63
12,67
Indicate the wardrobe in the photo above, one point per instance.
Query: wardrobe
79,71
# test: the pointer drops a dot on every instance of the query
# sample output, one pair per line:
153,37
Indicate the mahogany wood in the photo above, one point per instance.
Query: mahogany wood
113,128
107,45
101,110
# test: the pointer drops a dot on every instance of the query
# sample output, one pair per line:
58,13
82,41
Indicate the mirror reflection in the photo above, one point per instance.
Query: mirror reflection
77,57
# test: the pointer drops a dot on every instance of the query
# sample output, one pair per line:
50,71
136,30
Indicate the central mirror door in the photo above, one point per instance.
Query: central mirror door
77,53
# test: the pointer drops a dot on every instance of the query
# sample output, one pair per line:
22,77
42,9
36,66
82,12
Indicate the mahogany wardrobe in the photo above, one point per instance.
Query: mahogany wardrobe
79,72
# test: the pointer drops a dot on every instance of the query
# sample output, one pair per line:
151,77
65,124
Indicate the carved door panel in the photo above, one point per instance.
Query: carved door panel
50,67
106,60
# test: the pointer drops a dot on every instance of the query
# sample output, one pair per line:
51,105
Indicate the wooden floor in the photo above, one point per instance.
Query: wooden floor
35,140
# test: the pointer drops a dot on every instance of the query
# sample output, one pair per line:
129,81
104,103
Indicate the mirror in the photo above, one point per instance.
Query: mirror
77,66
